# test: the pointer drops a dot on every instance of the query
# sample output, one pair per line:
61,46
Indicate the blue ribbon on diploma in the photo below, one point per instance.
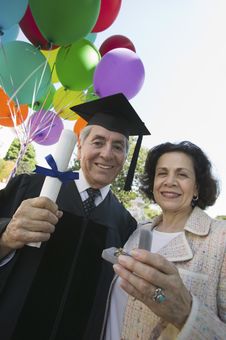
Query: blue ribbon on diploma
54,172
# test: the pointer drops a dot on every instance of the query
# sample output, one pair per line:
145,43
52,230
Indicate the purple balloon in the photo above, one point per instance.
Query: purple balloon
45,127
119,70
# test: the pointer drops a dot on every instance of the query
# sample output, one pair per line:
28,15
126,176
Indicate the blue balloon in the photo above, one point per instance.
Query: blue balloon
10,34
24,71
11,11
91,37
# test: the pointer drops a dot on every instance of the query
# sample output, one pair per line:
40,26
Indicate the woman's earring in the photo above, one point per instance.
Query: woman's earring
194,200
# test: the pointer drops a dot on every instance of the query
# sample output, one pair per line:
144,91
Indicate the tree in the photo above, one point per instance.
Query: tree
28,161
118,185
221,217
5,169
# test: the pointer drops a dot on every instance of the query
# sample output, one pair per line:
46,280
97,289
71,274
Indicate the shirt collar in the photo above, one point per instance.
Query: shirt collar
82,185
198,222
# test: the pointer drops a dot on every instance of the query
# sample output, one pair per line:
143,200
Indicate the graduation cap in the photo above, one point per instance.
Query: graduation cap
115,113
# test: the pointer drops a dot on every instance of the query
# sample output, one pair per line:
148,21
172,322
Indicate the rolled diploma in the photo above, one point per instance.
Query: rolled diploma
62,155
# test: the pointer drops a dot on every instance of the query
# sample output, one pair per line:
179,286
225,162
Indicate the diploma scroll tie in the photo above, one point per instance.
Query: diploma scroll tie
63,176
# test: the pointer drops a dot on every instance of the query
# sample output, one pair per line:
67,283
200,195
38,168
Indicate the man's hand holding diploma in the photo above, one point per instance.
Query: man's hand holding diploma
35,219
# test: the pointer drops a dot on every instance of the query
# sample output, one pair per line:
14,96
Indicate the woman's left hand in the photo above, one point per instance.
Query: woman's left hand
143,273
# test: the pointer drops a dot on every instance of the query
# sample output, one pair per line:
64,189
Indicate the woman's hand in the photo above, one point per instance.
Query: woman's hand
33,221
144,272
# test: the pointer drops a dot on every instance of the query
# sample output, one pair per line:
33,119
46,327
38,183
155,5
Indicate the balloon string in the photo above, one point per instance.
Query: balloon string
22,152
24,82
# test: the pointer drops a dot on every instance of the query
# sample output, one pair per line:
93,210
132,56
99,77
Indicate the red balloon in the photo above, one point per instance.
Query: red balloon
31,31
116,41
109,10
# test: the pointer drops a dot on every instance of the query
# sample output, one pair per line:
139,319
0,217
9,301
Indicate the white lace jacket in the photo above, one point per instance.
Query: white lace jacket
200,256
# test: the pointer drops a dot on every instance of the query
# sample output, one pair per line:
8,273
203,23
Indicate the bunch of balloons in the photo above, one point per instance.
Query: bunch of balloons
60,66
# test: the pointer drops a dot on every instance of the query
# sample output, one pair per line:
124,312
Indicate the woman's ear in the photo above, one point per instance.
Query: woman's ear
196,192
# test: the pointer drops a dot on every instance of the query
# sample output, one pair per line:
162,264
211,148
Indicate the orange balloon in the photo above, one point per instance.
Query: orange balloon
5,104
10,114
79,125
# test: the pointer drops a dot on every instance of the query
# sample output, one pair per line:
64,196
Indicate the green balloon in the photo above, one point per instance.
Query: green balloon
63,22
75,64
46,102
90,94
23,69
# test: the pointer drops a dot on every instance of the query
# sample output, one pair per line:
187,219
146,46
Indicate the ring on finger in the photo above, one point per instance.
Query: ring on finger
158,295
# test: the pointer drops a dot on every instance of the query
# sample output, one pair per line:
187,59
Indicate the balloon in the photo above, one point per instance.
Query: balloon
120,70
51,58
10,34
75,64
91,37
10,114
116,41
64,22
90,94
11,11
5,103
23,70
109,10
64,100
79,125
31,31
16,117
46,102
45,127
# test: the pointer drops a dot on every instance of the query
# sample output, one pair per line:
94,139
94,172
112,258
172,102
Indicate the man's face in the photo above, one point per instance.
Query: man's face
102,155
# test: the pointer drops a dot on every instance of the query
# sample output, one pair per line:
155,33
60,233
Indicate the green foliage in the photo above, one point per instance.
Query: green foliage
28,161
5,169
221,217
13,150
75,165
2,163
118,185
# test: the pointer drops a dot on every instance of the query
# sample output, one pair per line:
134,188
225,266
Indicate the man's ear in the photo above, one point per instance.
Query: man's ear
79,150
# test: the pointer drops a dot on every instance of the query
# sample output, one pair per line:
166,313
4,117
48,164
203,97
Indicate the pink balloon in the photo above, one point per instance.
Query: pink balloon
116,41
45,127
120,70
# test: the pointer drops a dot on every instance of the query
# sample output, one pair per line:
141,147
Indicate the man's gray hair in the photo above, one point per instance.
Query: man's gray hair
86,131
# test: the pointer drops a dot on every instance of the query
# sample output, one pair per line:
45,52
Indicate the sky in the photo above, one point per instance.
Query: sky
182,44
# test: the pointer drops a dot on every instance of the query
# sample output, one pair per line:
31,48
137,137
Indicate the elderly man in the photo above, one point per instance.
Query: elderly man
59,291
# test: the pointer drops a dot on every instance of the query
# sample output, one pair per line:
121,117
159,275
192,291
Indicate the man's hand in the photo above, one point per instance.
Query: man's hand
33,221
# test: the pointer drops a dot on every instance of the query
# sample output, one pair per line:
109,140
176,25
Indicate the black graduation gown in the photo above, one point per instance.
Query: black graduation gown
59,291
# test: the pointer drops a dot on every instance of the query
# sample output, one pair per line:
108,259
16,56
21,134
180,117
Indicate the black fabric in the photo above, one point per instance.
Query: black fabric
114,113
59,291
56,288
15,281
133,164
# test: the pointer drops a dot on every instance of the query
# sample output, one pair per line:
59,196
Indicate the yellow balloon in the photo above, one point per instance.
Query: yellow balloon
51,57
64,99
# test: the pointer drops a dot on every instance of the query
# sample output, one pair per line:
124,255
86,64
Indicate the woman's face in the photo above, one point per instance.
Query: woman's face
174,182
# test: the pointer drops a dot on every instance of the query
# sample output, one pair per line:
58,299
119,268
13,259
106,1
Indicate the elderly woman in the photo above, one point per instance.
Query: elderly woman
177,288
